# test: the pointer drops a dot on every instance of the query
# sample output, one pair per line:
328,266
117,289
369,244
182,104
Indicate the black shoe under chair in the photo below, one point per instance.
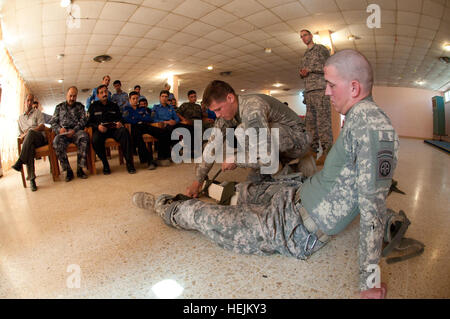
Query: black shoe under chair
69,175
33,185
80,173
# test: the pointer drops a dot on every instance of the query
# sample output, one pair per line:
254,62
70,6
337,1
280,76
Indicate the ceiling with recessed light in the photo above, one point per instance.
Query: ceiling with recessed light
149,38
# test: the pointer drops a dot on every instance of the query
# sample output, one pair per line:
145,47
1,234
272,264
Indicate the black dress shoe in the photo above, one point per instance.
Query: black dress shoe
33,185
131,169
17,166
106,170
81,174
69,175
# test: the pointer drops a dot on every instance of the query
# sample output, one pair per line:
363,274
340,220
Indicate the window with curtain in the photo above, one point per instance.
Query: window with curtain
13,91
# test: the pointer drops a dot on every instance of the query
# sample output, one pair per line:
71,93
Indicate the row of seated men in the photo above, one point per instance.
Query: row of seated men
107,121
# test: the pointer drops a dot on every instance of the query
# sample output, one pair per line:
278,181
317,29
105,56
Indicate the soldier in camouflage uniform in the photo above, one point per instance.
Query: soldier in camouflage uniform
68,122
256,111
318,110
296,218
188,112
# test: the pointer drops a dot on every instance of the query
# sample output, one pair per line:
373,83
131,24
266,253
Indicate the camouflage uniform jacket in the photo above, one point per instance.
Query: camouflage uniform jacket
254,111
355,180
314,59
69,117
190,111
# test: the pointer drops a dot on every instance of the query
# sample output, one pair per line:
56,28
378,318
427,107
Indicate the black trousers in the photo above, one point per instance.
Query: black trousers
163,136
121,135
32,140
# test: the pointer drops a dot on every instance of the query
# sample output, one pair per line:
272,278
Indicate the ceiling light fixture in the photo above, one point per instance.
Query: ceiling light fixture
65,3
420,82
102,58
60,56
60,81
447,47
268,50
351,38
243,90
210,67
277,85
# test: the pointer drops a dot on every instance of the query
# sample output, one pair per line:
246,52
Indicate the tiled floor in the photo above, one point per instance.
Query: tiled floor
123,251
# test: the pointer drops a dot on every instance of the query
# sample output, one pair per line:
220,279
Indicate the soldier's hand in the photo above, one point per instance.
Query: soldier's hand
228,166
119,124
102,128
375,293
171,122
194,189
62,130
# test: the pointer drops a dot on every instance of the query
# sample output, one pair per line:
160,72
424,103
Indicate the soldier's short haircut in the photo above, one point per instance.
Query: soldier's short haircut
191,92
106,76
306,30
102,86
137,86
353,66
133,93
117,82
143,100
72,87
217,91
164,92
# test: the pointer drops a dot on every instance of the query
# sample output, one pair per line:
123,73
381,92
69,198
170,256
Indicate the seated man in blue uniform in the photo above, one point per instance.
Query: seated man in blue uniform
106,121
140,118
94,96
297,217
165,114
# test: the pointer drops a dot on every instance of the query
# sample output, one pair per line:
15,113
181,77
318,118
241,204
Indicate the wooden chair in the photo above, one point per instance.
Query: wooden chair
148,139
109,143
43,151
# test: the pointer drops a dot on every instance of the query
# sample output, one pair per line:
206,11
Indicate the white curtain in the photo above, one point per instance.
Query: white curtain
12,99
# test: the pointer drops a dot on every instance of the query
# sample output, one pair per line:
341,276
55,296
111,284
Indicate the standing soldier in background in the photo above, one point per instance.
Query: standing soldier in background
318,110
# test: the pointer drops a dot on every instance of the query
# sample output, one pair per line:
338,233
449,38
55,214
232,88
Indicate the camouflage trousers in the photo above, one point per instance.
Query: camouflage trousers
80,139
265,221
318,119
294,142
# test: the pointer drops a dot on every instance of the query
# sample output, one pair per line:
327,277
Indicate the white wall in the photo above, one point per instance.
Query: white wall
295,102
409,109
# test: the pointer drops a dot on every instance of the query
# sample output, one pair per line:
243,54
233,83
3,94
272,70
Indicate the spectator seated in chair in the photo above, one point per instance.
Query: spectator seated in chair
31,127
106,121
139,116
68,123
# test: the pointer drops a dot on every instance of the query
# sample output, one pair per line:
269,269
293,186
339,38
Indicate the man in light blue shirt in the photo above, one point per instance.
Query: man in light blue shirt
164,112
120,97
94,97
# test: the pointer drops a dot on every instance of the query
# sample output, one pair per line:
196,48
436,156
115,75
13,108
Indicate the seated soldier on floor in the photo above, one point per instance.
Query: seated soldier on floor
297,217
106,121
139,116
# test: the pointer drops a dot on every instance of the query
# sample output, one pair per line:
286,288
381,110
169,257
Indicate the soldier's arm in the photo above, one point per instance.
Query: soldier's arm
54,122
372,186
202,169
81,119
255,119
